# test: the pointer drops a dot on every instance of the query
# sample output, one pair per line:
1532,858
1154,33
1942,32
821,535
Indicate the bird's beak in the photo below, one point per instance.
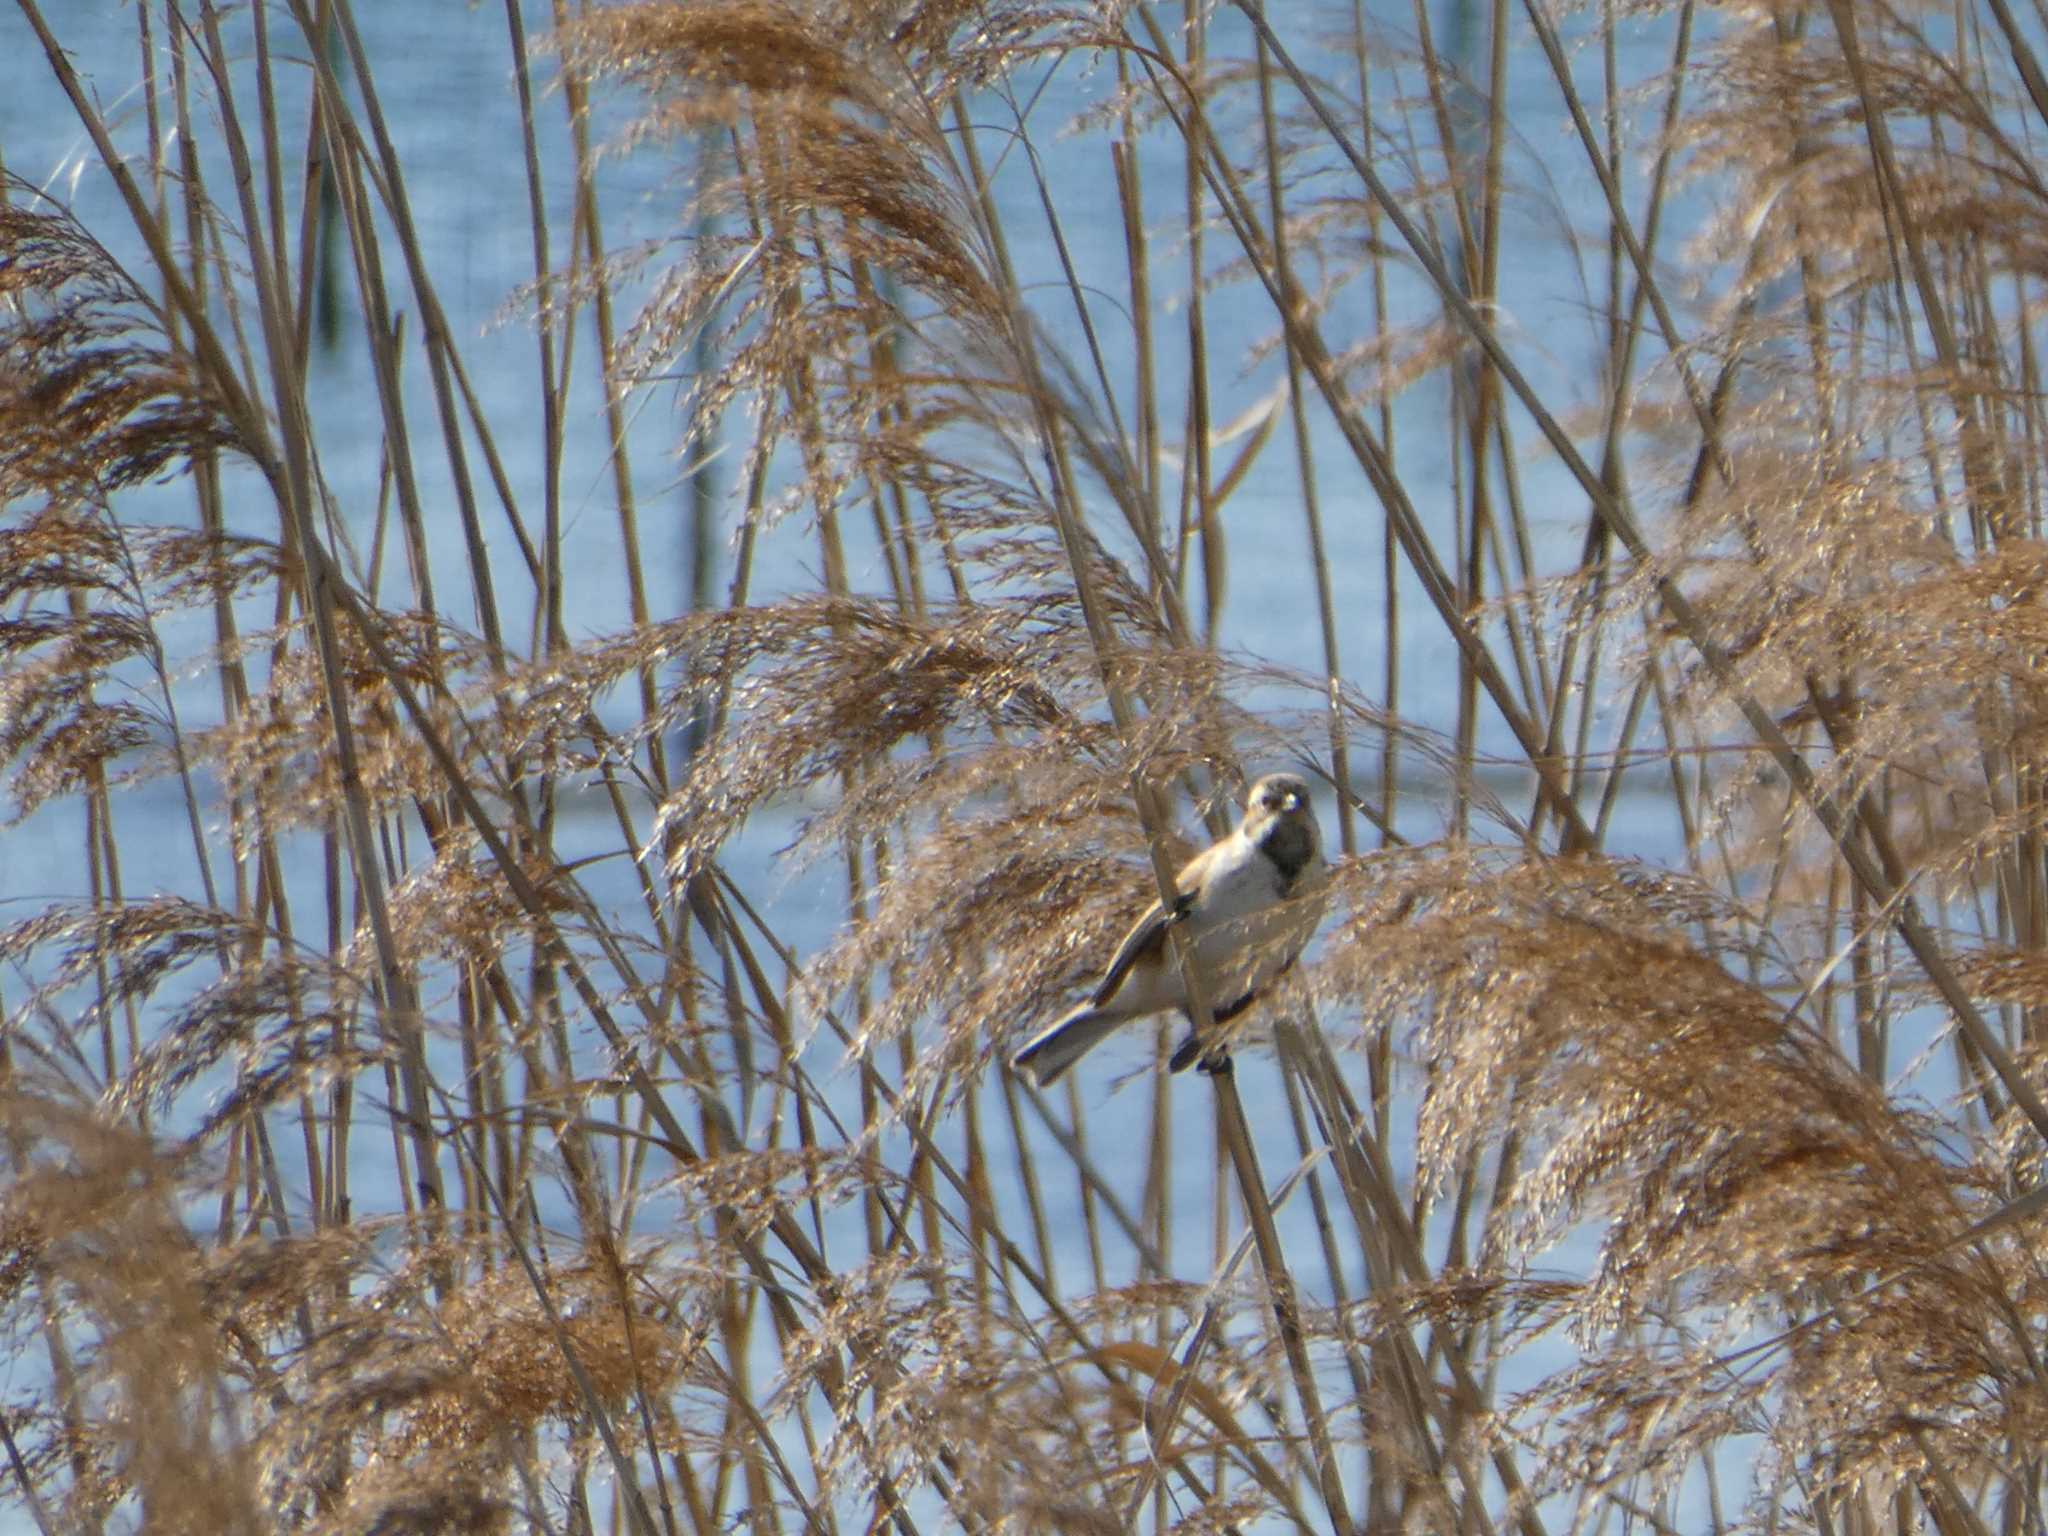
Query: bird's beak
1292,802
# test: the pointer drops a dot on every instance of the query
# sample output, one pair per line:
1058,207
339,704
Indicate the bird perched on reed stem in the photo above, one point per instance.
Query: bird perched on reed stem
1249,902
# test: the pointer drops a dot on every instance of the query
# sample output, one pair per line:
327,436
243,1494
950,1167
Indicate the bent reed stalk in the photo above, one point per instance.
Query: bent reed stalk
430,1103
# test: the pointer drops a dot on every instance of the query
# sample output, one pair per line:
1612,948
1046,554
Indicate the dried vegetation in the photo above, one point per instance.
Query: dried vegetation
462,1135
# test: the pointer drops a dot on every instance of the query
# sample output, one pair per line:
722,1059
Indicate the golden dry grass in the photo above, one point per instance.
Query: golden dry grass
464,1142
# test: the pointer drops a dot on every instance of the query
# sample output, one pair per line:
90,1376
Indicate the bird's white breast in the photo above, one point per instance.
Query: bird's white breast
1246,930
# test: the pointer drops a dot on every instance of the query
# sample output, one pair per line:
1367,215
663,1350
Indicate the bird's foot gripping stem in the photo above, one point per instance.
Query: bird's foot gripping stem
1201,1048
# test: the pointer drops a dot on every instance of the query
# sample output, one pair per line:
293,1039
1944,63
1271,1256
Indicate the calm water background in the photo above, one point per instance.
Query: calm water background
444,72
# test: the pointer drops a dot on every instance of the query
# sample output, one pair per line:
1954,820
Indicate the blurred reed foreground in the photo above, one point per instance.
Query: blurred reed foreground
456,1138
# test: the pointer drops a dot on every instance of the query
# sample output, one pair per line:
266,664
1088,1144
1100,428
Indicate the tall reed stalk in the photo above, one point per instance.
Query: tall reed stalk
1604,446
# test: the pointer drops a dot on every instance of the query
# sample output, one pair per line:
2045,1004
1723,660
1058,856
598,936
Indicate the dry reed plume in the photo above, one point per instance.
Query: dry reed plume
427,1105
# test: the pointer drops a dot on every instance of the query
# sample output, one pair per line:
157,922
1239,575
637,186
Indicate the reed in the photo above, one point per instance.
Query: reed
458,1125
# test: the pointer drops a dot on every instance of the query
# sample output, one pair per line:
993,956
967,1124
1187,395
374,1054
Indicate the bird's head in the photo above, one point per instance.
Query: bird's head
1277,794
1279,816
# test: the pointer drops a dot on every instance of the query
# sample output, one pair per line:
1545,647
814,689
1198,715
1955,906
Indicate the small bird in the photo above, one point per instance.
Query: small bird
1250,903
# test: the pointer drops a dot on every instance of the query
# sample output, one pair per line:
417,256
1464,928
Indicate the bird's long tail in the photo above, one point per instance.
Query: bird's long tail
1058,1048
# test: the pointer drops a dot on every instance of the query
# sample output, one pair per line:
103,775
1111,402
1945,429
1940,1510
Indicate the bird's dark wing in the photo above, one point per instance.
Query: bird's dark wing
1147,938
